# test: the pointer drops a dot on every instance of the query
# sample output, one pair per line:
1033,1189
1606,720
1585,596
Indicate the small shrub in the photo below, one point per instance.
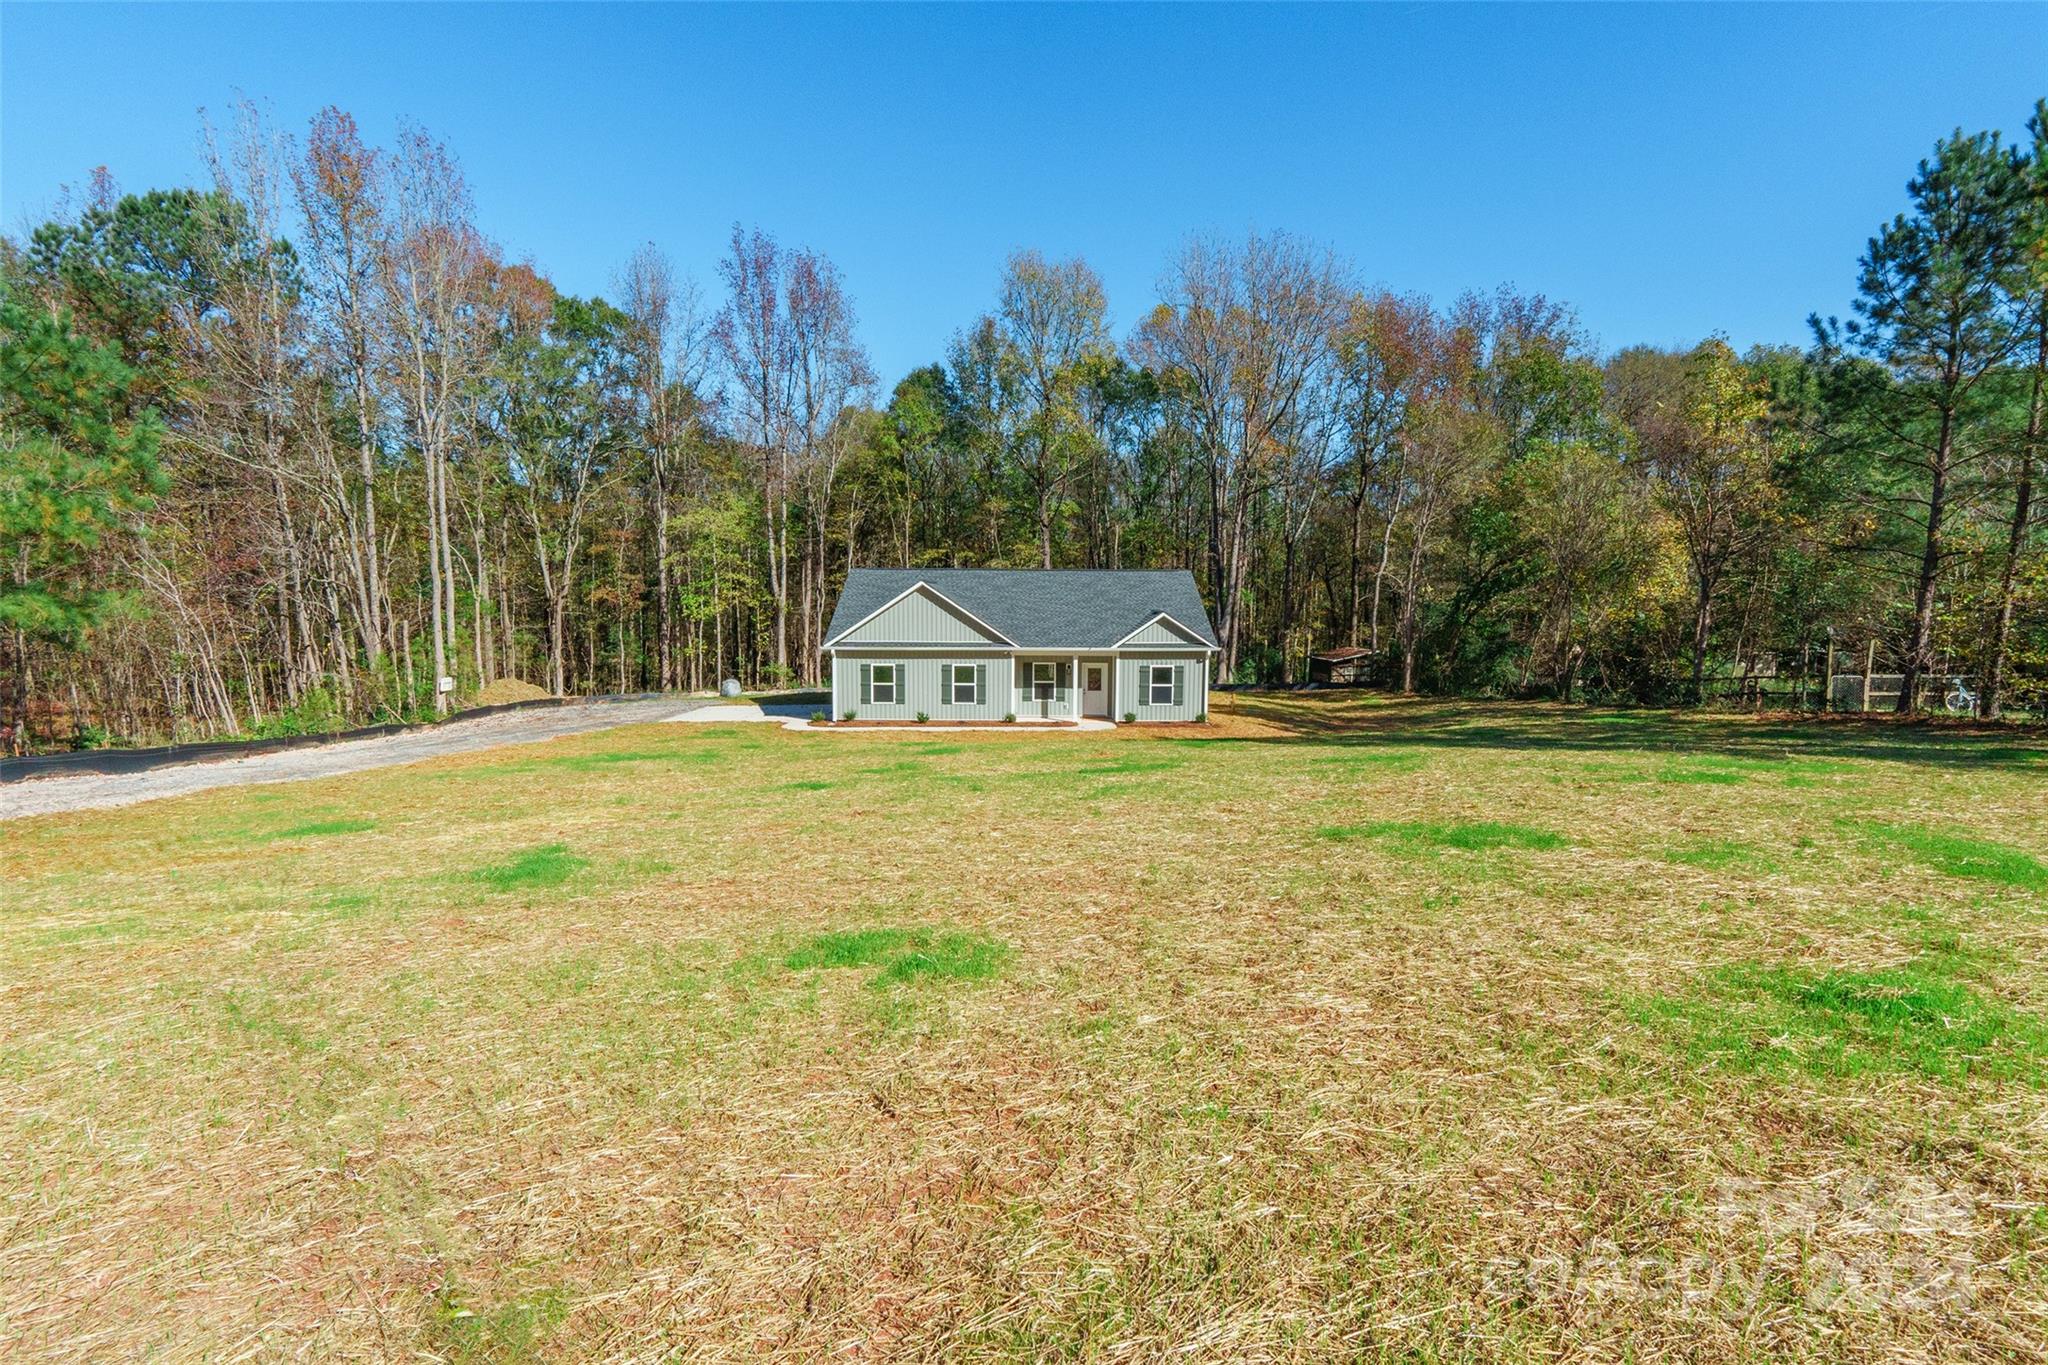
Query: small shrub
1202,719
1259,666
819,717
1130,717
317,713
90,736
1009,718
922,718
849,714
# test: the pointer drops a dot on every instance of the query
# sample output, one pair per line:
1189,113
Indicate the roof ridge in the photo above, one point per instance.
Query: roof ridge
995,568
1035,607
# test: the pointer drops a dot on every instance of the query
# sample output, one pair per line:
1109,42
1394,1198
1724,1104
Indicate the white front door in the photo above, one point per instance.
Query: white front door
1095,689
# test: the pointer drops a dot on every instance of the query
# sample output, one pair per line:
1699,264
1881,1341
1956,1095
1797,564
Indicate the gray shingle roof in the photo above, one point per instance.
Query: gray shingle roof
1039,608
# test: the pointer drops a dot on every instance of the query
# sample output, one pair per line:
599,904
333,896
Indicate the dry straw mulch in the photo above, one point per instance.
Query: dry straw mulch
1342,1029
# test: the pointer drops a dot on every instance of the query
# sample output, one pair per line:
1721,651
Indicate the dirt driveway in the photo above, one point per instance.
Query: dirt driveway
86,791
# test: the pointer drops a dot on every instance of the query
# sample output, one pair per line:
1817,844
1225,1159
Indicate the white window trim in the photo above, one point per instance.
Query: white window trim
1152,684
875,684
963,677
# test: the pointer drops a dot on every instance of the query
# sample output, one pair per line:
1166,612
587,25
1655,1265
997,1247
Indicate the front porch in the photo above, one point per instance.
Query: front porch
958,683
1062,686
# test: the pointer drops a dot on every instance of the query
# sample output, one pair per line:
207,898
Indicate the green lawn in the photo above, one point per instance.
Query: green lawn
1346,1030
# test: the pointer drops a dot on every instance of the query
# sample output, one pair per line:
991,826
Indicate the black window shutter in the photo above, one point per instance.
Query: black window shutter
981,684
867,684
1180,673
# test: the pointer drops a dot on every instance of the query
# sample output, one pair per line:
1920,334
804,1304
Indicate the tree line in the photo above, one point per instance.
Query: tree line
289,447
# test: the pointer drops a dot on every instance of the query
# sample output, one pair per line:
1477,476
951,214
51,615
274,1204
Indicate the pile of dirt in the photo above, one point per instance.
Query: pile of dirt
509,689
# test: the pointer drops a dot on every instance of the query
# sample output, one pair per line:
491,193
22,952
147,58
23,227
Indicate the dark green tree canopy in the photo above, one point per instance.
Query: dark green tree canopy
74,470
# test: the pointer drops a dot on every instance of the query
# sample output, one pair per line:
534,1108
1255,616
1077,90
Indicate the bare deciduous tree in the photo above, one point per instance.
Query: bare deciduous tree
433,276
1242,334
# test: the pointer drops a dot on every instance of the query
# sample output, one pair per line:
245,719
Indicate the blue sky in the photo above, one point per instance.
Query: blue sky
1671,171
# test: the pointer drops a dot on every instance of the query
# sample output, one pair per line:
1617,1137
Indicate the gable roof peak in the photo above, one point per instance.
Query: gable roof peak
1037,608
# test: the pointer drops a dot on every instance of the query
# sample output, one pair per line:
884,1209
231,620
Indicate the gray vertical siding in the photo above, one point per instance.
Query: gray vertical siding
1160,633
1133,696
922,690
1027,704
1009,686
920,619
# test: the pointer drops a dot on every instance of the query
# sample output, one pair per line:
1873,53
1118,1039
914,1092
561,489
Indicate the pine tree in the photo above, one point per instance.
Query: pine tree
1938,303
74,470
1991,700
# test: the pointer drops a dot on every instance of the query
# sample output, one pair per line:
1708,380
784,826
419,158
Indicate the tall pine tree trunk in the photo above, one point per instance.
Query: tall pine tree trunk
1919,642
1991,701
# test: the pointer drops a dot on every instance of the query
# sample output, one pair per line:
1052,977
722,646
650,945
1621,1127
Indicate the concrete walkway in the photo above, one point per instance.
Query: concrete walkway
722,711
799,718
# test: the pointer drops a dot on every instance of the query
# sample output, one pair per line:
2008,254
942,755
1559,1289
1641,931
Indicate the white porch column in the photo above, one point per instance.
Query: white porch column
1076,689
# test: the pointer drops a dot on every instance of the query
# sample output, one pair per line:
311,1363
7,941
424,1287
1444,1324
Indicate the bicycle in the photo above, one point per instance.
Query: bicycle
1960,701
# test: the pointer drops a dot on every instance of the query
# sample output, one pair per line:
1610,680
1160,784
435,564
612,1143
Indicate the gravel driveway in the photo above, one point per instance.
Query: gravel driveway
86,791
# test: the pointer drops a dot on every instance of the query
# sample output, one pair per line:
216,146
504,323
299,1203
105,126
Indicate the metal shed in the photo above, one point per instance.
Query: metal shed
1347,667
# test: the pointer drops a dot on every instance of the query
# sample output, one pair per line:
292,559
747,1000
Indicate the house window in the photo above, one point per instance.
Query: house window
1159,684
963,685
884,685
1043,680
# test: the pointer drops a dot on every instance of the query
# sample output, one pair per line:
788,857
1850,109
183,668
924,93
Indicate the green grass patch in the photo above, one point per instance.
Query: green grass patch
1920,1018
903,955
567,976
597,763
1615,772
517,1330
1132,764
547,865
807,786
121,927
1701,777
313,829
706,750
341,906
255,1013
1383,759
847,948
952,957
1720,855
901,768
1470,836
1957,856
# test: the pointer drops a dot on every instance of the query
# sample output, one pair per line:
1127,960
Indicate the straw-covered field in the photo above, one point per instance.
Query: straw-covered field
1349,1030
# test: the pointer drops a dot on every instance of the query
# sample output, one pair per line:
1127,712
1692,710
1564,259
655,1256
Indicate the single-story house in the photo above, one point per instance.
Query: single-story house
1038,644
